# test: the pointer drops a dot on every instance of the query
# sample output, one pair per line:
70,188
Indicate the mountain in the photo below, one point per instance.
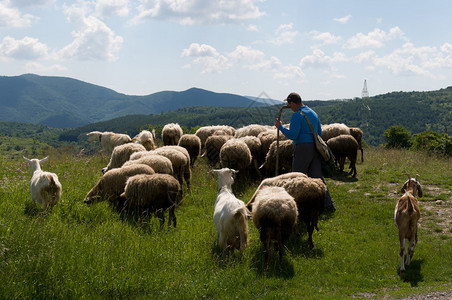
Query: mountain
63,102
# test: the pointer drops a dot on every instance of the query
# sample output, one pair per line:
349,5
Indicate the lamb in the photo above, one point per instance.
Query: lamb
145,138
213,146
285,153
230,214
357,133
171,134
154,193
274,214
406,217
159,163
236,155
45,188
192,143
309,194
121,154
109,140
344,146
112,183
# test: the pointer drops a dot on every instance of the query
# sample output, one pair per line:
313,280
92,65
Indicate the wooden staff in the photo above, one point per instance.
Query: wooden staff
277,140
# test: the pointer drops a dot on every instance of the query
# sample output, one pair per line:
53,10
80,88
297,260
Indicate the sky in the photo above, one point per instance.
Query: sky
322,49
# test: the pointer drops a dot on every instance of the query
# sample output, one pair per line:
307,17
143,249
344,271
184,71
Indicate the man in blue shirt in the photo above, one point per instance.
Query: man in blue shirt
306,158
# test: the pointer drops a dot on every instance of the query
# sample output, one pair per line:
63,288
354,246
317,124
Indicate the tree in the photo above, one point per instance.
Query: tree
397,137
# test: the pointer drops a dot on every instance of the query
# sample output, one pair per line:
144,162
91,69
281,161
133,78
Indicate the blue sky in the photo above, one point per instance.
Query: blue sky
321,49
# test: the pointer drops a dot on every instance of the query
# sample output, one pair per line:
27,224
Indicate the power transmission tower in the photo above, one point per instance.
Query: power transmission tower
365,93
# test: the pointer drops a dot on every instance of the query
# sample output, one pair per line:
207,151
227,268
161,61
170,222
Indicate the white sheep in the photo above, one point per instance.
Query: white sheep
213,146
334,129
145,138
236,155
230,214
111,184
406,217
45,187
109,140
154,193
121,154
250,130
180,159
205,131
285,154
309,194
274,214
192,143
159,163
171,134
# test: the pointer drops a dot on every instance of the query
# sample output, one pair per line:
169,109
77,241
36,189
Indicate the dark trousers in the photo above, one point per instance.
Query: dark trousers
307,160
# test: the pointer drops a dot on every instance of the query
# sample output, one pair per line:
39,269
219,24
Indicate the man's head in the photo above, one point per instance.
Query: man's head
293,97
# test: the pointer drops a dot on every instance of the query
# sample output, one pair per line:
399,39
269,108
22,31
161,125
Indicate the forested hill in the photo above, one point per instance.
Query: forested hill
65,102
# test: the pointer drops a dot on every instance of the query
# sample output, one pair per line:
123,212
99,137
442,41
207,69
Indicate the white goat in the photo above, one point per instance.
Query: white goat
45,187
230,214
406,216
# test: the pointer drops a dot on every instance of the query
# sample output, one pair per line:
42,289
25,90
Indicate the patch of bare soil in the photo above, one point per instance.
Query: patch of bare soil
437,211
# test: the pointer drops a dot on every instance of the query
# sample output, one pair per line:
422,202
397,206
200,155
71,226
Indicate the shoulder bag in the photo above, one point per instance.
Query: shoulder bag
320,144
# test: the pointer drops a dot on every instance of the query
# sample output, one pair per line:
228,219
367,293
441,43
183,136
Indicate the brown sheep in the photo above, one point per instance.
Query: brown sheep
344,146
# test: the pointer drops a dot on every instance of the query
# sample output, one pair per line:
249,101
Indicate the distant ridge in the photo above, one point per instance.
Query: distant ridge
63,102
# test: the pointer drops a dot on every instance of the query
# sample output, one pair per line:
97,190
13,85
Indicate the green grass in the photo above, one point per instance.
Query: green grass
77,251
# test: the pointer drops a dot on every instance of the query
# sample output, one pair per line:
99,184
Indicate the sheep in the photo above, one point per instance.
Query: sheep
334,129
250,130
159,163
180,159
45,188
406,217
145,138
344,146
309,194
255,146
109,140
213,146
235,154
154,193
205,131
285,154
274,214
171,134
230,214
192,143
267,138
357,133
112,183
121,154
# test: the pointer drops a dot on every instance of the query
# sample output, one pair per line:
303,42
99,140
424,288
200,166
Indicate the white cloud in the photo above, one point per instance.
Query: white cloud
199,11
26,3
206,56
252,27
11,16
246,54
319,60
343,20
25,49
108,8
93,39
324,37
375,39
271,64
34,67
284,34
289,72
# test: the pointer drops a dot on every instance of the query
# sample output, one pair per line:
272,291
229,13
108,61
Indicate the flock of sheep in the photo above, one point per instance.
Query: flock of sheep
141,175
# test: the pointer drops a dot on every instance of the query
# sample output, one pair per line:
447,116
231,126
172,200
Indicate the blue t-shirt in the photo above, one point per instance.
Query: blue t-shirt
299,130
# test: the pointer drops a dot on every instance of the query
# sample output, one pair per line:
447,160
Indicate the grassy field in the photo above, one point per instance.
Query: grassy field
76,251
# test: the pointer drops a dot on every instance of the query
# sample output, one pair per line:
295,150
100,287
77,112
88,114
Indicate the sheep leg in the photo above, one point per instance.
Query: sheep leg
267,242
310,227
280,243
161,216
171,216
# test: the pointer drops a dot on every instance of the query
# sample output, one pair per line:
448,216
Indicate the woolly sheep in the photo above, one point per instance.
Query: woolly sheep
357,133
285,154
230,214
267,138
213,147
309,194
171,134
109,140
145,138
255,146
250,130
334,129
180,160
112,183
45,188
192,143
235,154
344,146
154,193
406,217
159,163
121,154
205,131
274,214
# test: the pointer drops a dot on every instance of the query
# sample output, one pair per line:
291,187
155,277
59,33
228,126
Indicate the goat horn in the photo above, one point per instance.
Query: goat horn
407,174
415,178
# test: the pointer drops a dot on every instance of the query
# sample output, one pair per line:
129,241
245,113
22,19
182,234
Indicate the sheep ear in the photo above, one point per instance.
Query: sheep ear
403,189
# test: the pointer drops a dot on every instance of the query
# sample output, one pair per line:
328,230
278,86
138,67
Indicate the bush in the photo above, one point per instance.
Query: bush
397,137
433,142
